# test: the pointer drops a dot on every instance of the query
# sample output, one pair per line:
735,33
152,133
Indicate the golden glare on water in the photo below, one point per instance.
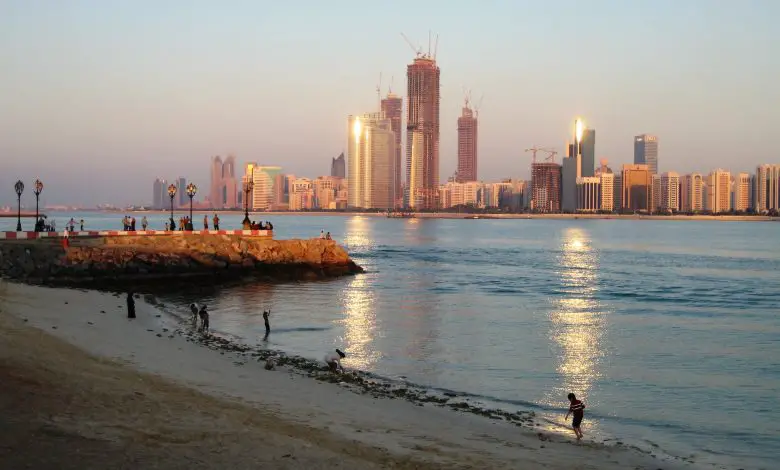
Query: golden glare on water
359,324
577,323
358,232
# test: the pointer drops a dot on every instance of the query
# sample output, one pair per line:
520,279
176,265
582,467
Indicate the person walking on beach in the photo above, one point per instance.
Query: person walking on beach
333,360
577,409
195,313
130,305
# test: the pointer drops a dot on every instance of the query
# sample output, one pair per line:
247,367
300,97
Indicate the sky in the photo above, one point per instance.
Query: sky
98,98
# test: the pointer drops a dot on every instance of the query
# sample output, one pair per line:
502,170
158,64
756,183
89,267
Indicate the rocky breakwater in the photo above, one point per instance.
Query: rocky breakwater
138,259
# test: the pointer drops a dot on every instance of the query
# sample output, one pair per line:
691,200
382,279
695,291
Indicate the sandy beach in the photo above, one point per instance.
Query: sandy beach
86,388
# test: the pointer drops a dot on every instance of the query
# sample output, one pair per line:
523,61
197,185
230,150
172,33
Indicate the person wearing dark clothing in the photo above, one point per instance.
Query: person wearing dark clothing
204,319
216,222
130,305
205,222
270,226
577,409
132,224
267,324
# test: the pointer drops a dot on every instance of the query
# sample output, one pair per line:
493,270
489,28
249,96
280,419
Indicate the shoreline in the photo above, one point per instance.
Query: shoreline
461,215
427,432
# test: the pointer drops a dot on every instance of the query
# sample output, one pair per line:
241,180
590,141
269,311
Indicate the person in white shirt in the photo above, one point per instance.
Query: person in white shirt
333,360
322,234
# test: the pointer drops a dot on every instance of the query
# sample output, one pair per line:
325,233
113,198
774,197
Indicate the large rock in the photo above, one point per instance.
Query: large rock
143,258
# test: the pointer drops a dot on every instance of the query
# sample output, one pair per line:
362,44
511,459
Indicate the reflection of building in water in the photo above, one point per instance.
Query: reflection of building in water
577,323
359,303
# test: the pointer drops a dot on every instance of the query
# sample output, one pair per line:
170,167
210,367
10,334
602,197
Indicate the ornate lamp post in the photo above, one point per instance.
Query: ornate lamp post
37,190
172,194
248,187
19,188
191,191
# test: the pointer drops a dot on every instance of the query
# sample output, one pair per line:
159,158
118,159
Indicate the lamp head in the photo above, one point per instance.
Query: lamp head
19,188
191,190
172,190
38,187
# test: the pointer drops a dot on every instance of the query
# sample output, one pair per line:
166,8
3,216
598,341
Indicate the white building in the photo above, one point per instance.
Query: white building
301,195
766,193
588,194
692,193
670,192
742,196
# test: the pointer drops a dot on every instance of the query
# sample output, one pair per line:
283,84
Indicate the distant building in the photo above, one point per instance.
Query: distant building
393,109
669,199
223,191
181,191
546,187
692,193
719,191
742,194
160,194
636,188
766,189
265,192
646,152
588,194
588,152
467,145
422,134
338,167
655,192
325,189
607,183
301,195
371,159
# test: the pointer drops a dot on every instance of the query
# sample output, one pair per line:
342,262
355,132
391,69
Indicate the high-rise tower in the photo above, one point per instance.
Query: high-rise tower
371,161
393,109
422,133
467,144
646,152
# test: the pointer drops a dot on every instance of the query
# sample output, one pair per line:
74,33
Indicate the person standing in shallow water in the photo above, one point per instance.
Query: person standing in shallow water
130,305
267,324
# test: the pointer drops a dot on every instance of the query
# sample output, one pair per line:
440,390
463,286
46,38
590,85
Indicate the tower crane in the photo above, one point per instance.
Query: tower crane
552,153
479,105
417,49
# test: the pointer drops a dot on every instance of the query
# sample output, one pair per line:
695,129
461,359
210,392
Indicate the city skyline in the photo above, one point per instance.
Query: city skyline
105,114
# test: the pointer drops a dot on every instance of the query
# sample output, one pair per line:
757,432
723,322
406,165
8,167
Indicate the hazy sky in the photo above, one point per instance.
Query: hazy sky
99,97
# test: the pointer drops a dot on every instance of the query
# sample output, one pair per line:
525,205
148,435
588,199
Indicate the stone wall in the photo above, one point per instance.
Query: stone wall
139,259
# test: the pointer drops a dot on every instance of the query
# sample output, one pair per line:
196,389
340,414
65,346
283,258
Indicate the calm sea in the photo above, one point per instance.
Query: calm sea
669,330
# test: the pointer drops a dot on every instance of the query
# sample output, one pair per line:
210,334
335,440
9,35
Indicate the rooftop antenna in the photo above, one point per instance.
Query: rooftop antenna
435,47
429,43
390,88
379,93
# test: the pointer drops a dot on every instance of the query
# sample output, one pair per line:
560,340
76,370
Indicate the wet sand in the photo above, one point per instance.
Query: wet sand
84,387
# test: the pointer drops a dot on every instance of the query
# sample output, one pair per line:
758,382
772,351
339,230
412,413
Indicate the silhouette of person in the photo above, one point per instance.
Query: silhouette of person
130,305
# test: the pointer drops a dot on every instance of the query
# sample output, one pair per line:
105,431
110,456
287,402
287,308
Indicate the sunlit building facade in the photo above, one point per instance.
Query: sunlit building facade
588,194
742,193
669,189
767,188
646,152
371,159
719,191
636,188
467,145
545,187
267,181
224,188
692,193
393,109
301,195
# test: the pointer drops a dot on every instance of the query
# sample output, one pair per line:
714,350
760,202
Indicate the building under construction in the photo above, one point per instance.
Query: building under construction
545,187
422,133
467,144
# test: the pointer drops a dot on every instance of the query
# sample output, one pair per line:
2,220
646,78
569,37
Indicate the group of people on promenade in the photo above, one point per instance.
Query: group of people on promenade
251,225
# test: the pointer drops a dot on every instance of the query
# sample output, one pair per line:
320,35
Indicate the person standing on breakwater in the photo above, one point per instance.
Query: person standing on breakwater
333,360
215,220
144,223
205,222
81,225
576,408
130,305
322,234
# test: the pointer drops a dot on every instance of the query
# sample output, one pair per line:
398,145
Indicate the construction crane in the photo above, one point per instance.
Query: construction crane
418,50
552,153
479,105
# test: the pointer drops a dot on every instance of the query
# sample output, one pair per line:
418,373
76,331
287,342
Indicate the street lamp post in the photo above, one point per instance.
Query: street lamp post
37,190
172,194
19,188
191,191
248,187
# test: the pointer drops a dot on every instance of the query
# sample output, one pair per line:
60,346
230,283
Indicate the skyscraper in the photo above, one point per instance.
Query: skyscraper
588,152
371,159
742,196
223,190
572,169
264,190
691,193
422,133
646,152
467,145
766,191
338,167
160,193
669,197
719,191
393,109
181,191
